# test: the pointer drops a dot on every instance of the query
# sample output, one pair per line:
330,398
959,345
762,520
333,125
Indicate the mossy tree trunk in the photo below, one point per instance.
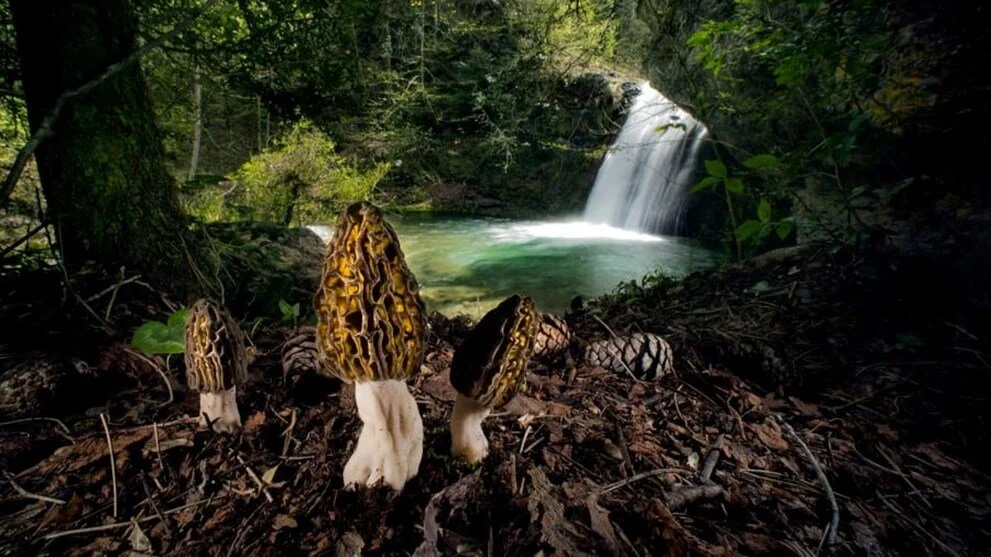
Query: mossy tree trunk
103,171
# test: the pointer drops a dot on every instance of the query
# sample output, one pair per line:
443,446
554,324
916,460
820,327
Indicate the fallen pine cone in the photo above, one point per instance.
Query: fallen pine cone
552,337
645,355
299,354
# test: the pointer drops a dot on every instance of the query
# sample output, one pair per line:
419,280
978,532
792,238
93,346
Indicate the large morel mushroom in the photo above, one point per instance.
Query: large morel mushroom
371,331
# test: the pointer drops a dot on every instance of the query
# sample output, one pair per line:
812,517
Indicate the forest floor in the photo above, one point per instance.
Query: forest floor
808,395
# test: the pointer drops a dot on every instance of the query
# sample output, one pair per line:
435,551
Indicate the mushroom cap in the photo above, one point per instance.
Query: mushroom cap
490,365
371,321
216,359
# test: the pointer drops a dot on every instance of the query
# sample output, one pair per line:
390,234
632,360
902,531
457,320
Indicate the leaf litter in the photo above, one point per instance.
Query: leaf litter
707,461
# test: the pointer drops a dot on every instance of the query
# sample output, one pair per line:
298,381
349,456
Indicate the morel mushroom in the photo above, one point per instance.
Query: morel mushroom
216,364
371,332
487,371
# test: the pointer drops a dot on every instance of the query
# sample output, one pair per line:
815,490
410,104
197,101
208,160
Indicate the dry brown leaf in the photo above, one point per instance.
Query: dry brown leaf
599,519
284,521
255,421
769,433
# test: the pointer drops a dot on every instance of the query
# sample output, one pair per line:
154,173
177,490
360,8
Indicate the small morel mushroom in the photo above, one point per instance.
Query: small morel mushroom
371,332
487,371
216,364
645,355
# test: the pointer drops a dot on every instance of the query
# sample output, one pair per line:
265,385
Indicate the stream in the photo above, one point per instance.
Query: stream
468,265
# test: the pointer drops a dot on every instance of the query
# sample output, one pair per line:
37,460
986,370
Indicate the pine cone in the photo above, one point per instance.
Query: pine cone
299,354
552,337
646,355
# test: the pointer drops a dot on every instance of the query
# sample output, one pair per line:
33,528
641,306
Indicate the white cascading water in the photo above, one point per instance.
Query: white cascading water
643,180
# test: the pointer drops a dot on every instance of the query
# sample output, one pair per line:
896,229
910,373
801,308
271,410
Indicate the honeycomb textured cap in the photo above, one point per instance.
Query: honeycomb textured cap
371,320
490,365
216,359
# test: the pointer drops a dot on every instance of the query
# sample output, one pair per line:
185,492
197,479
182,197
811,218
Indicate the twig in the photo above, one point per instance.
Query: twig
113,463
603,323
287,434
834,522
25,493
113,288
261,485
154,506
61,425
642,475
23,239
116,525
45,130
158,447
624,450
682,497
68,284
161,373
918,526
901,474
713,458
525,435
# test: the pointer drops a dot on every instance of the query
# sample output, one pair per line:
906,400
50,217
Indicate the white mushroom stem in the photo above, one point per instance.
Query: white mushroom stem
468,441
220,409
391,442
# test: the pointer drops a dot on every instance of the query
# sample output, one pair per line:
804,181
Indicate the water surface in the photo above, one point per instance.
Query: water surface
468,265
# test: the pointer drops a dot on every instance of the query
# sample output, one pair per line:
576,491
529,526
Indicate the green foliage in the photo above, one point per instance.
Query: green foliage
301,181
290,313
752,233
155,337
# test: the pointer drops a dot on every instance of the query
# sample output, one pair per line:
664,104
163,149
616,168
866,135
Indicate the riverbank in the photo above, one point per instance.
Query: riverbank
807,360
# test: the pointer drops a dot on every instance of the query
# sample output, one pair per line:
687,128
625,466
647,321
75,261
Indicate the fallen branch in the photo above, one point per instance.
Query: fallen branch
685,496
713,458
62,426
641,476
27,494
834,522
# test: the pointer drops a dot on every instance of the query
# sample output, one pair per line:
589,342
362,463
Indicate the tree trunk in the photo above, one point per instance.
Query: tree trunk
103,171
194,158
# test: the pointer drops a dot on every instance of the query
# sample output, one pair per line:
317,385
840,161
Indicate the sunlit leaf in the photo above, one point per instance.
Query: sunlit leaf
705,183
715,168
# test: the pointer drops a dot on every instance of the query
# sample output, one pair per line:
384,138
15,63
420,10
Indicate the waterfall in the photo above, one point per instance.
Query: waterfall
643,180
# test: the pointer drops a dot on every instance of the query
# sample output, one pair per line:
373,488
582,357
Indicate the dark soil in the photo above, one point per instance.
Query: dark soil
811,345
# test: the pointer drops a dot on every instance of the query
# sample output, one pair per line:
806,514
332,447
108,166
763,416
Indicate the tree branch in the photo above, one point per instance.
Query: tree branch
45,129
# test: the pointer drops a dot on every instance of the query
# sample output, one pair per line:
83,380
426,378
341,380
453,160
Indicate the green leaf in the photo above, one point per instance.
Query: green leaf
715,168
158,338
178,319
155,337
747,229
762,161
290,313
705,183
764,211
734,185
784,229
